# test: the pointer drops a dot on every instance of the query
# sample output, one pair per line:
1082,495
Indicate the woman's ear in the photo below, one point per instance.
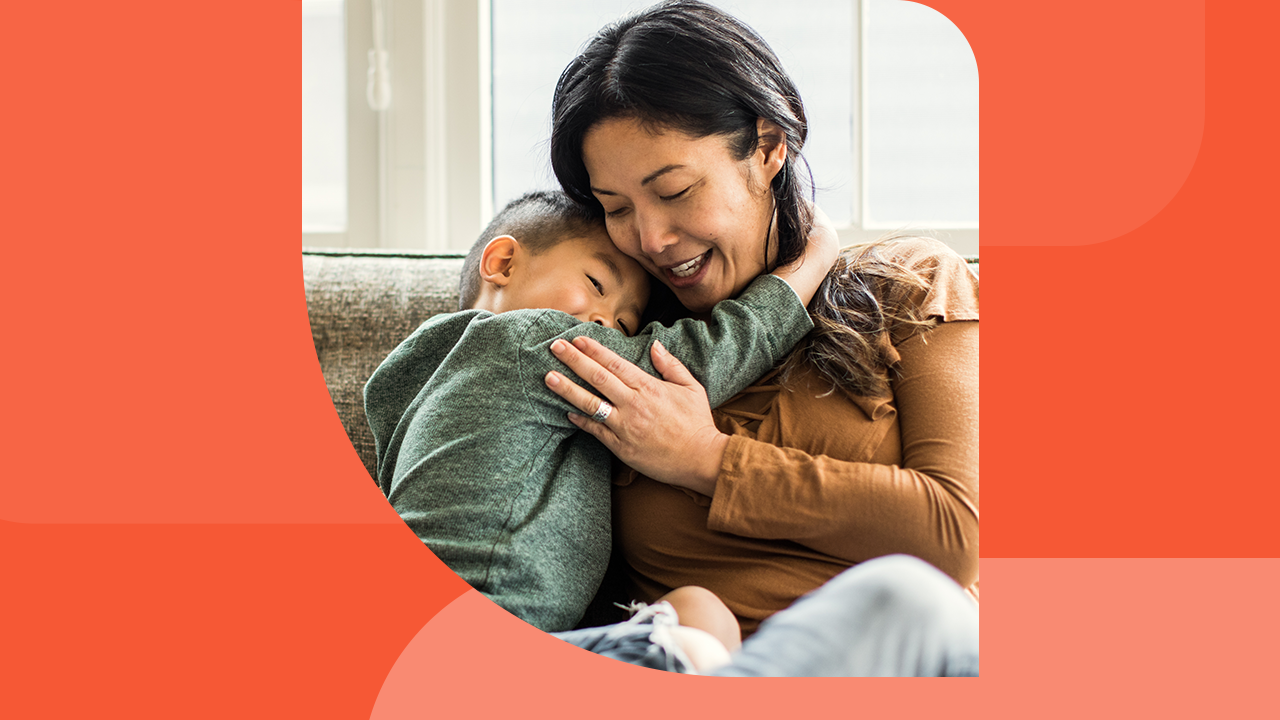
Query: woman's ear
498,260
771,147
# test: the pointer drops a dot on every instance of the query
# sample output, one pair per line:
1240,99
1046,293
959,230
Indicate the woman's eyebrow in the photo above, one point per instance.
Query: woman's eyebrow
647,179
659,173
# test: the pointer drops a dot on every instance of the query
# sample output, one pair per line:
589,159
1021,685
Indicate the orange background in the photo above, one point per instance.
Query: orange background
185,530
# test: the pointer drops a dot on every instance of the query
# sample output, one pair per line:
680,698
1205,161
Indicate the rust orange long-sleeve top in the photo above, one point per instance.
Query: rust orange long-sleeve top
815,481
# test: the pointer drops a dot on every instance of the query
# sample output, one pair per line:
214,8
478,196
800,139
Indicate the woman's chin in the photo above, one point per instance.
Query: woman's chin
700,298
701,295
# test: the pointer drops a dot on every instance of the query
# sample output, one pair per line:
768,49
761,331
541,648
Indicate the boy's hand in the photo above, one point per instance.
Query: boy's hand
807,273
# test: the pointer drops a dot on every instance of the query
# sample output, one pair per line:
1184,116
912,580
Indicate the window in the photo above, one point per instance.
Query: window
324,117
891,89
920,131
340,152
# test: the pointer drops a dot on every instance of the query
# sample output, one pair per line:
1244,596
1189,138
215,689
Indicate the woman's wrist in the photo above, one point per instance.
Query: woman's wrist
705,470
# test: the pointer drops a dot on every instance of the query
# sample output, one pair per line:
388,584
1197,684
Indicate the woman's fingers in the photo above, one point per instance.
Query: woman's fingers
586,402
601,431
663,428
623,369
606,380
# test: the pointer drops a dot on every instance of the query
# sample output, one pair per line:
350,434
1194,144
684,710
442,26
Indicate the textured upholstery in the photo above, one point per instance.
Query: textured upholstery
362,303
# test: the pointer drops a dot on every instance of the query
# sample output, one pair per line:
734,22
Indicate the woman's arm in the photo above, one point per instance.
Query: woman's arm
927,507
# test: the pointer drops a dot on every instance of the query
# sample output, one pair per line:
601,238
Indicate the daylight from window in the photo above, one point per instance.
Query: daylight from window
324,117
890,88
920,162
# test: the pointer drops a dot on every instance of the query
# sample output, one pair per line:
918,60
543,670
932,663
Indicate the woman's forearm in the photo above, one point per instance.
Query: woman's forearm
927,506
849,510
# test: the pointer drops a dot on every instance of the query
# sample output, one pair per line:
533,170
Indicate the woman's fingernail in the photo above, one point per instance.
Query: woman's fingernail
580,341
553,378
575,419
658,346
558,347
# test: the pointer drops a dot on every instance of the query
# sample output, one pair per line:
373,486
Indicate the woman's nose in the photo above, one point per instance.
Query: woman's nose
656,234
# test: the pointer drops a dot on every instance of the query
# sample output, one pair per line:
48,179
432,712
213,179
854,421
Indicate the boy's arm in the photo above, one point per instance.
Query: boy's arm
392,389
743,339
806,274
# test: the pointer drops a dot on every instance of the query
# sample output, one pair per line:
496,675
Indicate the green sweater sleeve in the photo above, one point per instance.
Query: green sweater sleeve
393,391
745,337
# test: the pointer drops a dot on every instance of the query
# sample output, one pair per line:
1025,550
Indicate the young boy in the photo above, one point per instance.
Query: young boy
479,457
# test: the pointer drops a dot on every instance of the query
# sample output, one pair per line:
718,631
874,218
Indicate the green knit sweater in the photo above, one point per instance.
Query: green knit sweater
478,457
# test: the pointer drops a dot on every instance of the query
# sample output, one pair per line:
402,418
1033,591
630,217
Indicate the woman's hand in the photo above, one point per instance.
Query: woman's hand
661,428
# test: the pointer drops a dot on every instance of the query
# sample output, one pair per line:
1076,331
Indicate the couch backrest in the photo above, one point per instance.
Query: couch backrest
362,304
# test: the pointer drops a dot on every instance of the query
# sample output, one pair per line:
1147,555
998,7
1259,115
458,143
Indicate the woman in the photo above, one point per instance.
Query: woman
679,125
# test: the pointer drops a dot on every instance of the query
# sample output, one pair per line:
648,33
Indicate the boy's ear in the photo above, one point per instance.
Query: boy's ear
497,260
772,147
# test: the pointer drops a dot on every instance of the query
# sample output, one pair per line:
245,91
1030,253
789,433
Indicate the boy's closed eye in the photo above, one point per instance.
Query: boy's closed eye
622,324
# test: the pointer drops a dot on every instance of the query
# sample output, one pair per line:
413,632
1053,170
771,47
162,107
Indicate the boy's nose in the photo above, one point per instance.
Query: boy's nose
602,319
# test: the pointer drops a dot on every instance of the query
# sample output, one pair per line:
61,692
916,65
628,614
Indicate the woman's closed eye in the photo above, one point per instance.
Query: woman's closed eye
676,196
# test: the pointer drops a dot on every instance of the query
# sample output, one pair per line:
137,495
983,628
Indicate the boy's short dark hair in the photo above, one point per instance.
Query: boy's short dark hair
539,221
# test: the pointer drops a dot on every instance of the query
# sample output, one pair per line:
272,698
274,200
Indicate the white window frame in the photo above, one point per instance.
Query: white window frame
420,174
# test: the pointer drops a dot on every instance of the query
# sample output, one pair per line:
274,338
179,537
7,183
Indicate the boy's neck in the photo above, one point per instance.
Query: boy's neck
487,299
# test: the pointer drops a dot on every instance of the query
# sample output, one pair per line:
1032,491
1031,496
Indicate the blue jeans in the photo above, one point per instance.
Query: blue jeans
893,616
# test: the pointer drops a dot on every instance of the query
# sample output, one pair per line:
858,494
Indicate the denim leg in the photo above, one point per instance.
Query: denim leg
892,616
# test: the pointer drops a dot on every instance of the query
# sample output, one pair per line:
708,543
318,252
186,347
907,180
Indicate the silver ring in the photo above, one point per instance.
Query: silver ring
602,412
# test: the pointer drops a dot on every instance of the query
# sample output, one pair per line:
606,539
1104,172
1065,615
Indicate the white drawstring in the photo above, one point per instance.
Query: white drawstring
662,615
378,90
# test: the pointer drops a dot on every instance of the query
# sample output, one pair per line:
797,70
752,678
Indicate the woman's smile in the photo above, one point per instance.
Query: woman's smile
689,273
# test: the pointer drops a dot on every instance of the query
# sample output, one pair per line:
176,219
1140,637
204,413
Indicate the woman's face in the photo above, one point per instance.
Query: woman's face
683,207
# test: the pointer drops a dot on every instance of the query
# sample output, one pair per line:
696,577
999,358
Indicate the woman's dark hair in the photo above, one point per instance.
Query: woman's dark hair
867,304
690,67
